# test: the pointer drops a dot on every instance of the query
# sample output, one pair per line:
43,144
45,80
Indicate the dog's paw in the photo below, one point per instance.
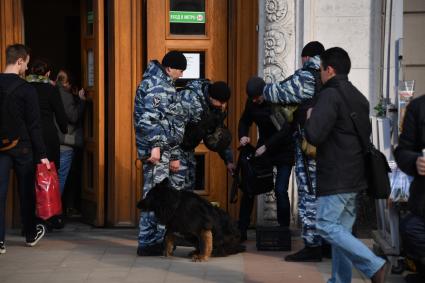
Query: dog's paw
199,258
193,253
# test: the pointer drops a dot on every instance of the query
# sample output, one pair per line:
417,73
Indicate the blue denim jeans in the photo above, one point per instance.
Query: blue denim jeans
335,219
65,164
282,200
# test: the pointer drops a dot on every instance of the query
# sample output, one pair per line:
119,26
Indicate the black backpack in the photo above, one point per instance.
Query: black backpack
8,122
253,175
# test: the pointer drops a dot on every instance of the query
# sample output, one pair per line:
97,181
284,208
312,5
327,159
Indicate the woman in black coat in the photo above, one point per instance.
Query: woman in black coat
51,108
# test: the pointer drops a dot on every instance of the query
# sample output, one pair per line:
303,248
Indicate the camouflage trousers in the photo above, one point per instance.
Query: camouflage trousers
307,203
150,232
184,179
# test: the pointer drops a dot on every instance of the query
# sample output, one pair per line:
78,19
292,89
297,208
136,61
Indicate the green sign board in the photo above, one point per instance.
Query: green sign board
187,17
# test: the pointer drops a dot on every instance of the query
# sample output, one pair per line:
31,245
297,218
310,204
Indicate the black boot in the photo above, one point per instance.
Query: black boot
307,254
244,236
326,251
153,250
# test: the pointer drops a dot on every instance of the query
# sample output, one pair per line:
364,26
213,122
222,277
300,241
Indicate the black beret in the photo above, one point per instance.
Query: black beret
312,49
255,87
174,59
219,91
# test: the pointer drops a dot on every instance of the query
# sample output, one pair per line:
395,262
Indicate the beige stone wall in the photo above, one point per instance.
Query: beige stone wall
414,43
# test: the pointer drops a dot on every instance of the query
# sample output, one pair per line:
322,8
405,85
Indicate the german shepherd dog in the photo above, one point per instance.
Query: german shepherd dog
208,228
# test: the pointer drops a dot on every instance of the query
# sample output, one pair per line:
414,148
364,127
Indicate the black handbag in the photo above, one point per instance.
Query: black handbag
376,163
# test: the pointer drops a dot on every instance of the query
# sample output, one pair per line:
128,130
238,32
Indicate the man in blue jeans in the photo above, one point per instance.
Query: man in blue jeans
341,166
276,145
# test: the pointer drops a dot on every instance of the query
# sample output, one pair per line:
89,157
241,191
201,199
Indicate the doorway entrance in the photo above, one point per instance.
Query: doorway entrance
198,28
69,34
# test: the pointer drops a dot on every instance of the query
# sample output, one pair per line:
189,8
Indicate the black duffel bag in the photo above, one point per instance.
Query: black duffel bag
253,175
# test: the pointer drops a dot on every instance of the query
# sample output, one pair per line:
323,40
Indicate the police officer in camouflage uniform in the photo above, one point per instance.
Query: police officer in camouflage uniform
204,105
159,130
297,89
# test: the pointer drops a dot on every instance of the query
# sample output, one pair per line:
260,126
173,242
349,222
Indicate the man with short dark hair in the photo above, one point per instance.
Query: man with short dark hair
301,89
20,108
341,166
159,131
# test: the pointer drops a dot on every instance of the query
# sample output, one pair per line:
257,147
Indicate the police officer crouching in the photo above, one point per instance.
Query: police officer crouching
204,106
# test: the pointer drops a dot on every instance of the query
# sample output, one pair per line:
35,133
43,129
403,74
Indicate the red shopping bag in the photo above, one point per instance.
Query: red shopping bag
47,192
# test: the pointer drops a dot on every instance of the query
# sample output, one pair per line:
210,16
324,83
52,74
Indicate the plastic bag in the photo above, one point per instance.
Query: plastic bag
48,197
400,184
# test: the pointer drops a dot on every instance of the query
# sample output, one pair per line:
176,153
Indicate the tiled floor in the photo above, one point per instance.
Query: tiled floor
105,255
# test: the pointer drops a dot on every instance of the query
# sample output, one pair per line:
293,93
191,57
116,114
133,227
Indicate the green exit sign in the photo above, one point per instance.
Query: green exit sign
187,17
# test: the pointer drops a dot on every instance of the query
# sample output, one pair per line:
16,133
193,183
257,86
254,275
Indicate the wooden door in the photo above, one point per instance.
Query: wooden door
92,62
199,28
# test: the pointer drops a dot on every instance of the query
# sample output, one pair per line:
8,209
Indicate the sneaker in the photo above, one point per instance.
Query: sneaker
40,231
153,250
2,248
307,254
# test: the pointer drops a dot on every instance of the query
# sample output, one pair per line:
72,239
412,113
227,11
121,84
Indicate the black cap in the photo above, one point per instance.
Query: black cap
255,87
312,49
219,91
174,59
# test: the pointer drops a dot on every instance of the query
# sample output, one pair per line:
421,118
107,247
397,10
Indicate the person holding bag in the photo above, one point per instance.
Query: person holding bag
277,147
341,170
25,115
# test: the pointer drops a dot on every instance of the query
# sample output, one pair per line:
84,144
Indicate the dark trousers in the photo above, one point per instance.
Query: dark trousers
412,231
282,200
21,159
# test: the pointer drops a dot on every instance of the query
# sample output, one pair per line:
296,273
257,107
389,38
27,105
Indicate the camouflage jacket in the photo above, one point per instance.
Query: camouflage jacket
158,113
295,89
195,101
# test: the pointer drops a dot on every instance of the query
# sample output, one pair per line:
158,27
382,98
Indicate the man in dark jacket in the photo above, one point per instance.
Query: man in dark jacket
276,146
340,166
24,113
411,159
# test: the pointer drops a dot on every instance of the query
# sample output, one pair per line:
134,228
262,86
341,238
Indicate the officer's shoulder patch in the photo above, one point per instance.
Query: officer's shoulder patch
156,101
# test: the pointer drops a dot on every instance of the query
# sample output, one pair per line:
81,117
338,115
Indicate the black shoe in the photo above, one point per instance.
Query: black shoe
307,254
326,251
153,250
40,231
2,248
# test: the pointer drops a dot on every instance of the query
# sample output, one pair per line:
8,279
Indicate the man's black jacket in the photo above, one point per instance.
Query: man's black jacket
411,143
340,157
279,144
27,115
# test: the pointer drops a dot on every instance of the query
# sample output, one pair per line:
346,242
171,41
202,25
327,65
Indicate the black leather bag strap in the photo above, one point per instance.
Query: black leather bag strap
364,141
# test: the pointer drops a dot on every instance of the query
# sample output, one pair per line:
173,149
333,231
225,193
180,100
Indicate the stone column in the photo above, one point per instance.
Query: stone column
277,61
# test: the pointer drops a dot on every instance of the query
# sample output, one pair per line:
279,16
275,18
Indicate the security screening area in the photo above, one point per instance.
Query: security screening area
144,133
